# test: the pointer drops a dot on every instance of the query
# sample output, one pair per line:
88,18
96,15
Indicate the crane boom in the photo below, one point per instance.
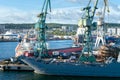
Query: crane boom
105,6
94,10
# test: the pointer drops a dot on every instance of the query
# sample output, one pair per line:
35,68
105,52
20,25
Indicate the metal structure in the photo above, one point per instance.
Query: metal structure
109,67
100,27
87,22
41,29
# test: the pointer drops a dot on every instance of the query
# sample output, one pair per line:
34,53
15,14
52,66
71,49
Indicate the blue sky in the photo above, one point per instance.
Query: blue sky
25,11
36,4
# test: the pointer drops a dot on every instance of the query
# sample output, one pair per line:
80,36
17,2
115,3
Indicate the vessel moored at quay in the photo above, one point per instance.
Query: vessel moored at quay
104,61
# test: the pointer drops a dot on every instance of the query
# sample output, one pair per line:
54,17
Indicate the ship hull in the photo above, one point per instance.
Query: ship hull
66,50
74,69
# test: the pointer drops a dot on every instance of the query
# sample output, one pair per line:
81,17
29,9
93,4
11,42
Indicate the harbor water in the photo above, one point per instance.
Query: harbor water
7,50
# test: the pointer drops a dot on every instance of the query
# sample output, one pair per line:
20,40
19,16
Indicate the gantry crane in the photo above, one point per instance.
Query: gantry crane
41,27
100,26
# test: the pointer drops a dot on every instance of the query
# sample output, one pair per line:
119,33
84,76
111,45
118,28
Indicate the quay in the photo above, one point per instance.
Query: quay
7,66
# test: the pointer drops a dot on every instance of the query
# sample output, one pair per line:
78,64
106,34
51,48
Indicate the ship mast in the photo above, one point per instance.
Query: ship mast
41,27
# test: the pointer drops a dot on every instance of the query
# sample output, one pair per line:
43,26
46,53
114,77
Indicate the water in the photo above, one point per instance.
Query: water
60,44
7,50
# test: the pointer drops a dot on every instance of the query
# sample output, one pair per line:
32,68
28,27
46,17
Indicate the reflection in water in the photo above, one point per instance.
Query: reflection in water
43,77
13,75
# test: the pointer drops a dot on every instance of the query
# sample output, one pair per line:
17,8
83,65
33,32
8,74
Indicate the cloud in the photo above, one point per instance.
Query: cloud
74,0
81,2
13,15
114,15
72,15
69,15
66,15
78,1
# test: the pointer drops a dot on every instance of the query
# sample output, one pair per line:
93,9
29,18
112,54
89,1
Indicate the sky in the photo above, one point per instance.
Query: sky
63,11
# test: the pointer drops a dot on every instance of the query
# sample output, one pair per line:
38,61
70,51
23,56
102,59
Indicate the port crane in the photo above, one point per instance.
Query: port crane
41,27
87,23
100,27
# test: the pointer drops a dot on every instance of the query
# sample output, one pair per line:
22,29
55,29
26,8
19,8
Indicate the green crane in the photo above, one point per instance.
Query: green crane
87,23
41,27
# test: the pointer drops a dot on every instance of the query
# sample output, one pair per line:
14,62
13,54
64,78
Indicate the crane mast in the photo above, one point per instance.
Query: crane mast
40,28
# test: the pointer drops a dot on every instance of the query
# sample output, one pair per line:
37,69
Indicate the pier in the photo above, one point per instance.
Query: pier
9,66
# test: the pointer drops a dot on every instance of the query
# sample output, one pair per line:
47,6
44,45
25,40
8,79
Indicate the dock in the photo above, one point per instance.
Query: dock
7,66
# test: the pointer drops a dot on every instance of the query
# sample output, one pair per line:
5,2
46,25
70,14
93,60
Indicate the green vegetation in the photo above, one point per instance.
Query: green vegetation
50,25
61,33
53,28
31,25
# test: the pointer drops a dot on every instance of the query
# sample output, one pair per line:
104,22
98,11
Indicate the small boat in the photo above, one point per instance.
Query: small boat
8,37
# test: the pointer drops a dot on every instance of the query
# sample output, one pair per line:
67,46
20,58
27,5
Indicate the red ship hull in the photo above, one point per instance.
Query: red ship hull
66,50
